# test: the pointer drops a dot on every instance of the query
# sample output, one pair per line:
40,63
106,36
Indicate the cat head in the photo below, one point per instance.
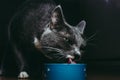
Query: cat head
61,41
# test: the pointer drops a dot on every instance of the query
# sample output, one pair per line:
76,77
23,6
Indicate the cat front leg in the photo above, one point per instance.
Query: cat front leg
23,74
21,63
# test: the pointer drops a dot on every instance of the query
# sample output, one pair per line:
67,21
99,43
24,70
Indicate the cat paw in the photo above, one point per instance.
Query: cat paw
23,74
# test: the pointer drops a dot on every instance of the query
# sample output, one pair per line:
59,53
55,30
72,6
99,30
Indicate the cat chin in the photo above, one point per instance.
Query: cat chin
70,56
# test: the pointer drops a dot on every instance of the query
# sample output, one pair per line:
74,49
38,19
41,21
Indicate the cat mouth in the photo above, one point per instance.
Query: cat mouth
72,59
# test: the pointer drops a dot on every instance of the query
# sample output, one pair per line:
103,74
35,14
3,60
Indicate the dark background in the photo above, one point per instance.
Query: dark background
103,19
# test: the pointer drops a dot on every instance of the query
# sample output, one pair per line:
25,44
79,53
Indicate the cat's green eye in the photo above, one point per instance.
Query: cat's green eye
69,41
66,39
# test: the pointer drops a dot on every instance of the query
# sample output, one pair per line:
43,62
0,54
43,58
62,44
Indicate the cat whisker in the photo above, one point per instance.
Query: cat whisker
91,44
58,54
91,37
60,58
56,49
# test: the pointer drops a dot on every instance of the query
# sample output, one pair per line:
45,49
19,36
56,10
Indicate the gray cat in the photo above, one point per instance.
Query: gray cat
41,29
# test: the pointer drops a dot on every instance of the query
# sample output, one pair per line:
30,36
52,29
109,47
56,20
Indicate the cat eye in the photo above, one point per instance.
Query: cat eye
66,39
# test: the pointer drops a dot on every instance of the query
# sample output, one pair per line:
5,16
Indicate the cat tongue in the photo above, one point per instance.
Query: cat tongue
70,61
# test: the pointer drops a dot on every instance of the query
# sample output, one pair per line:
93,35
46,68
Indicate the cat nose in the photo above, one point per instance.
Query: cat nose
77,54
76,51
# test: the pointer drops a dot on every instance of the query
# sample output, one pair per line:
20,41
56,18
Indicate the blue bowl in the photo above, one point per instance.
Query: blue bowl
65,71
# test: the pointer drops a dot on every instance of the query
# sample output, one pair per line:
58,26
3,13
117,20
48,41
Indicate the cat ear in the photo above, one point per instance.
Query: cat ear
81,26
57,17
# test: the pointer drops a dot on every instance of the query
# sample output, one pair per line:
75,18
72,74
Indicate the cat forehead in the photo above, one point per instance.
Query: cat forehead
66,31
66,34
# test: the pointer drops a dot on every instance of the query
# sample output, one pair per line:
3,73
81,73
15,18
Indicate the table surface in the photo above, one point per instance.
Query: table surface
89,77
